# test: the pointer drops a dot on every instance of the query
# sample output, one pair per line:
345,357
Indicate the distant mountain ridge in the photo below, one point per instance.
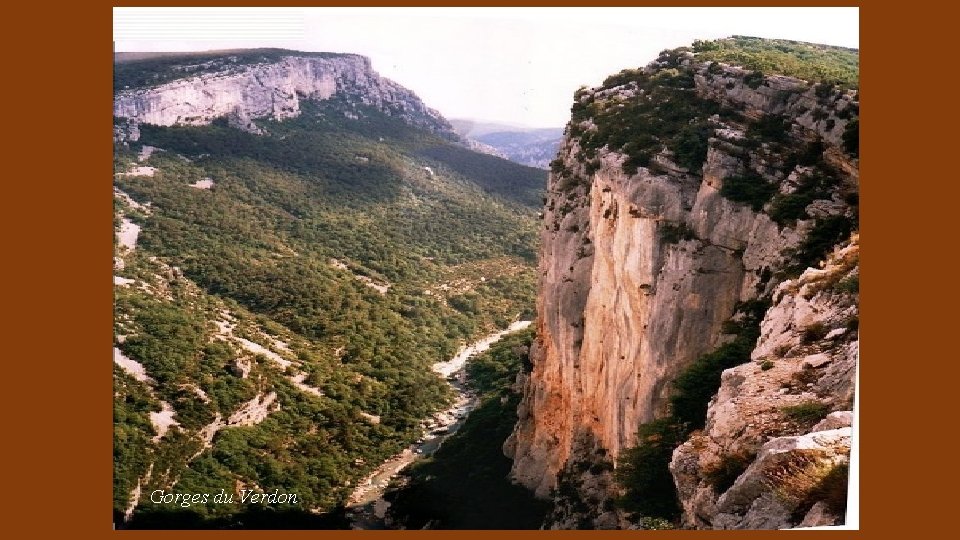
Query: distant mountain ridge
244,86
534,147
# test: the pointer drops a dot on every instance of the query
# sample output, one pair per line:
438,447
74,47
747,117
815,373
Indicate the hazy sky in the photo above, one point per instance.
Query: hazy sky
513,65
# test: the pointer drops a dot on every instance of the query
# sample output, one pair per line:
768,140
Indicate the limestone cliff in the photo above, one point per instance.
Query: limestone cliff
646,256
273,88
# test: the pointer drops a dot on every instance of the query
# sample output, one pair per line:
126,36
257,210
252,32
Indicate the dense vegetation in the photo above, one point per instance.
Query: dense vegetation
464,485
826,233
809,61
643,471
749,188
455,248
495,175
639,113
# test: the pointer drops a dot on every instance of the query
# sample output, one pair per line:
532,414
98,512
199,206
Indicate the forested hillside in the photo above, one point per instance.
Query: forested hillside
281,297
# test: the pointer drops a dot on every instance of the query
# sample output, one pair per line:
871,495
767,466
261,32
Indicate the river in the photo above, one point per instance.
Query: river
366,507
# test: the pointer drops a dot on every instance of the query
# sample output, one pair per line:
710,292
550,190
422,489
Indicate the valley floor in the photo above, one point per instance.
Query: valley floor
366,505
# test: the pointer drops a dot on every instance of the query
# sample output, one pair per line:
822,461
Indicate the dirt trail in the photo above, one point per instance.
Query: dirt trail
132,367
129,231
206,183
162,421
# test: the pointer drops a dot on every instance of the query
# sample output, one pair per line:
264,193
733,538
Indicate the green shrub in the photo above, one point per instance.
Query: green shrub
691,146
753,79
851,137
807,413
722,476
790,207
557,166
766,365
601,467
826,233
569,181
699,382
750,188
671,233
824,90
849,285
812,153
465,303
591,166
700,45
643,471
731,327
813,332
799,380
853,323
820,184
624,77
771,128
636,159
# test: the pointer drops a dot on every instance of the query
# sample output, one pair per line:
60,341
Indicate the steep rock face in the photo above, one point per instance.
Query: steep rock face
641,266
609,327
755,418
243,93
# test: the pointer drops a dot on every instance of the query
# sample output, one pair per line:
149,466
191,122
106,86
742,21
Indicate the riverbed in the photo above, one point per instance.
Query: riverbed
366,506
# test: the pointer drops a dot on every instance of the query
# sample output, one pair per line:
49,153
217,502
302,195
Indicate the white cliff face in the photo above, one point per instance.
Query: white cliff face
640,271
272,90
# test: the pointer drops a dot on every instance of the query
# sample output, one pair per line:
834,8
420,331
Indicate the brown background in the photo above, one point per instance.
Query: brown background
56,353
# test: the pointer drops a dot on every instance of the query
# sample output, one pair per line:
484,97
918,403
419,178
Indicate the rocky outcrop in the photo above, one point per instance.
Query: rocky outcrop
819,111
765,415
275,90
641,266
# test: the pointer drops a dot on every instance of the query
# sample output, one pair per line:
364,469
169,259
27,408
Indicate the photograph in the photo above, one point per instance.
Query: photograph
485,268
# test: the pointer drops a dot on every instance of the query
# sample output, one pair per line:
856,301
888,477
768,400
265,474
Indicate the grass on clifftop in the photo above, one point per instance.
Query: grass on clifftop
809,61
